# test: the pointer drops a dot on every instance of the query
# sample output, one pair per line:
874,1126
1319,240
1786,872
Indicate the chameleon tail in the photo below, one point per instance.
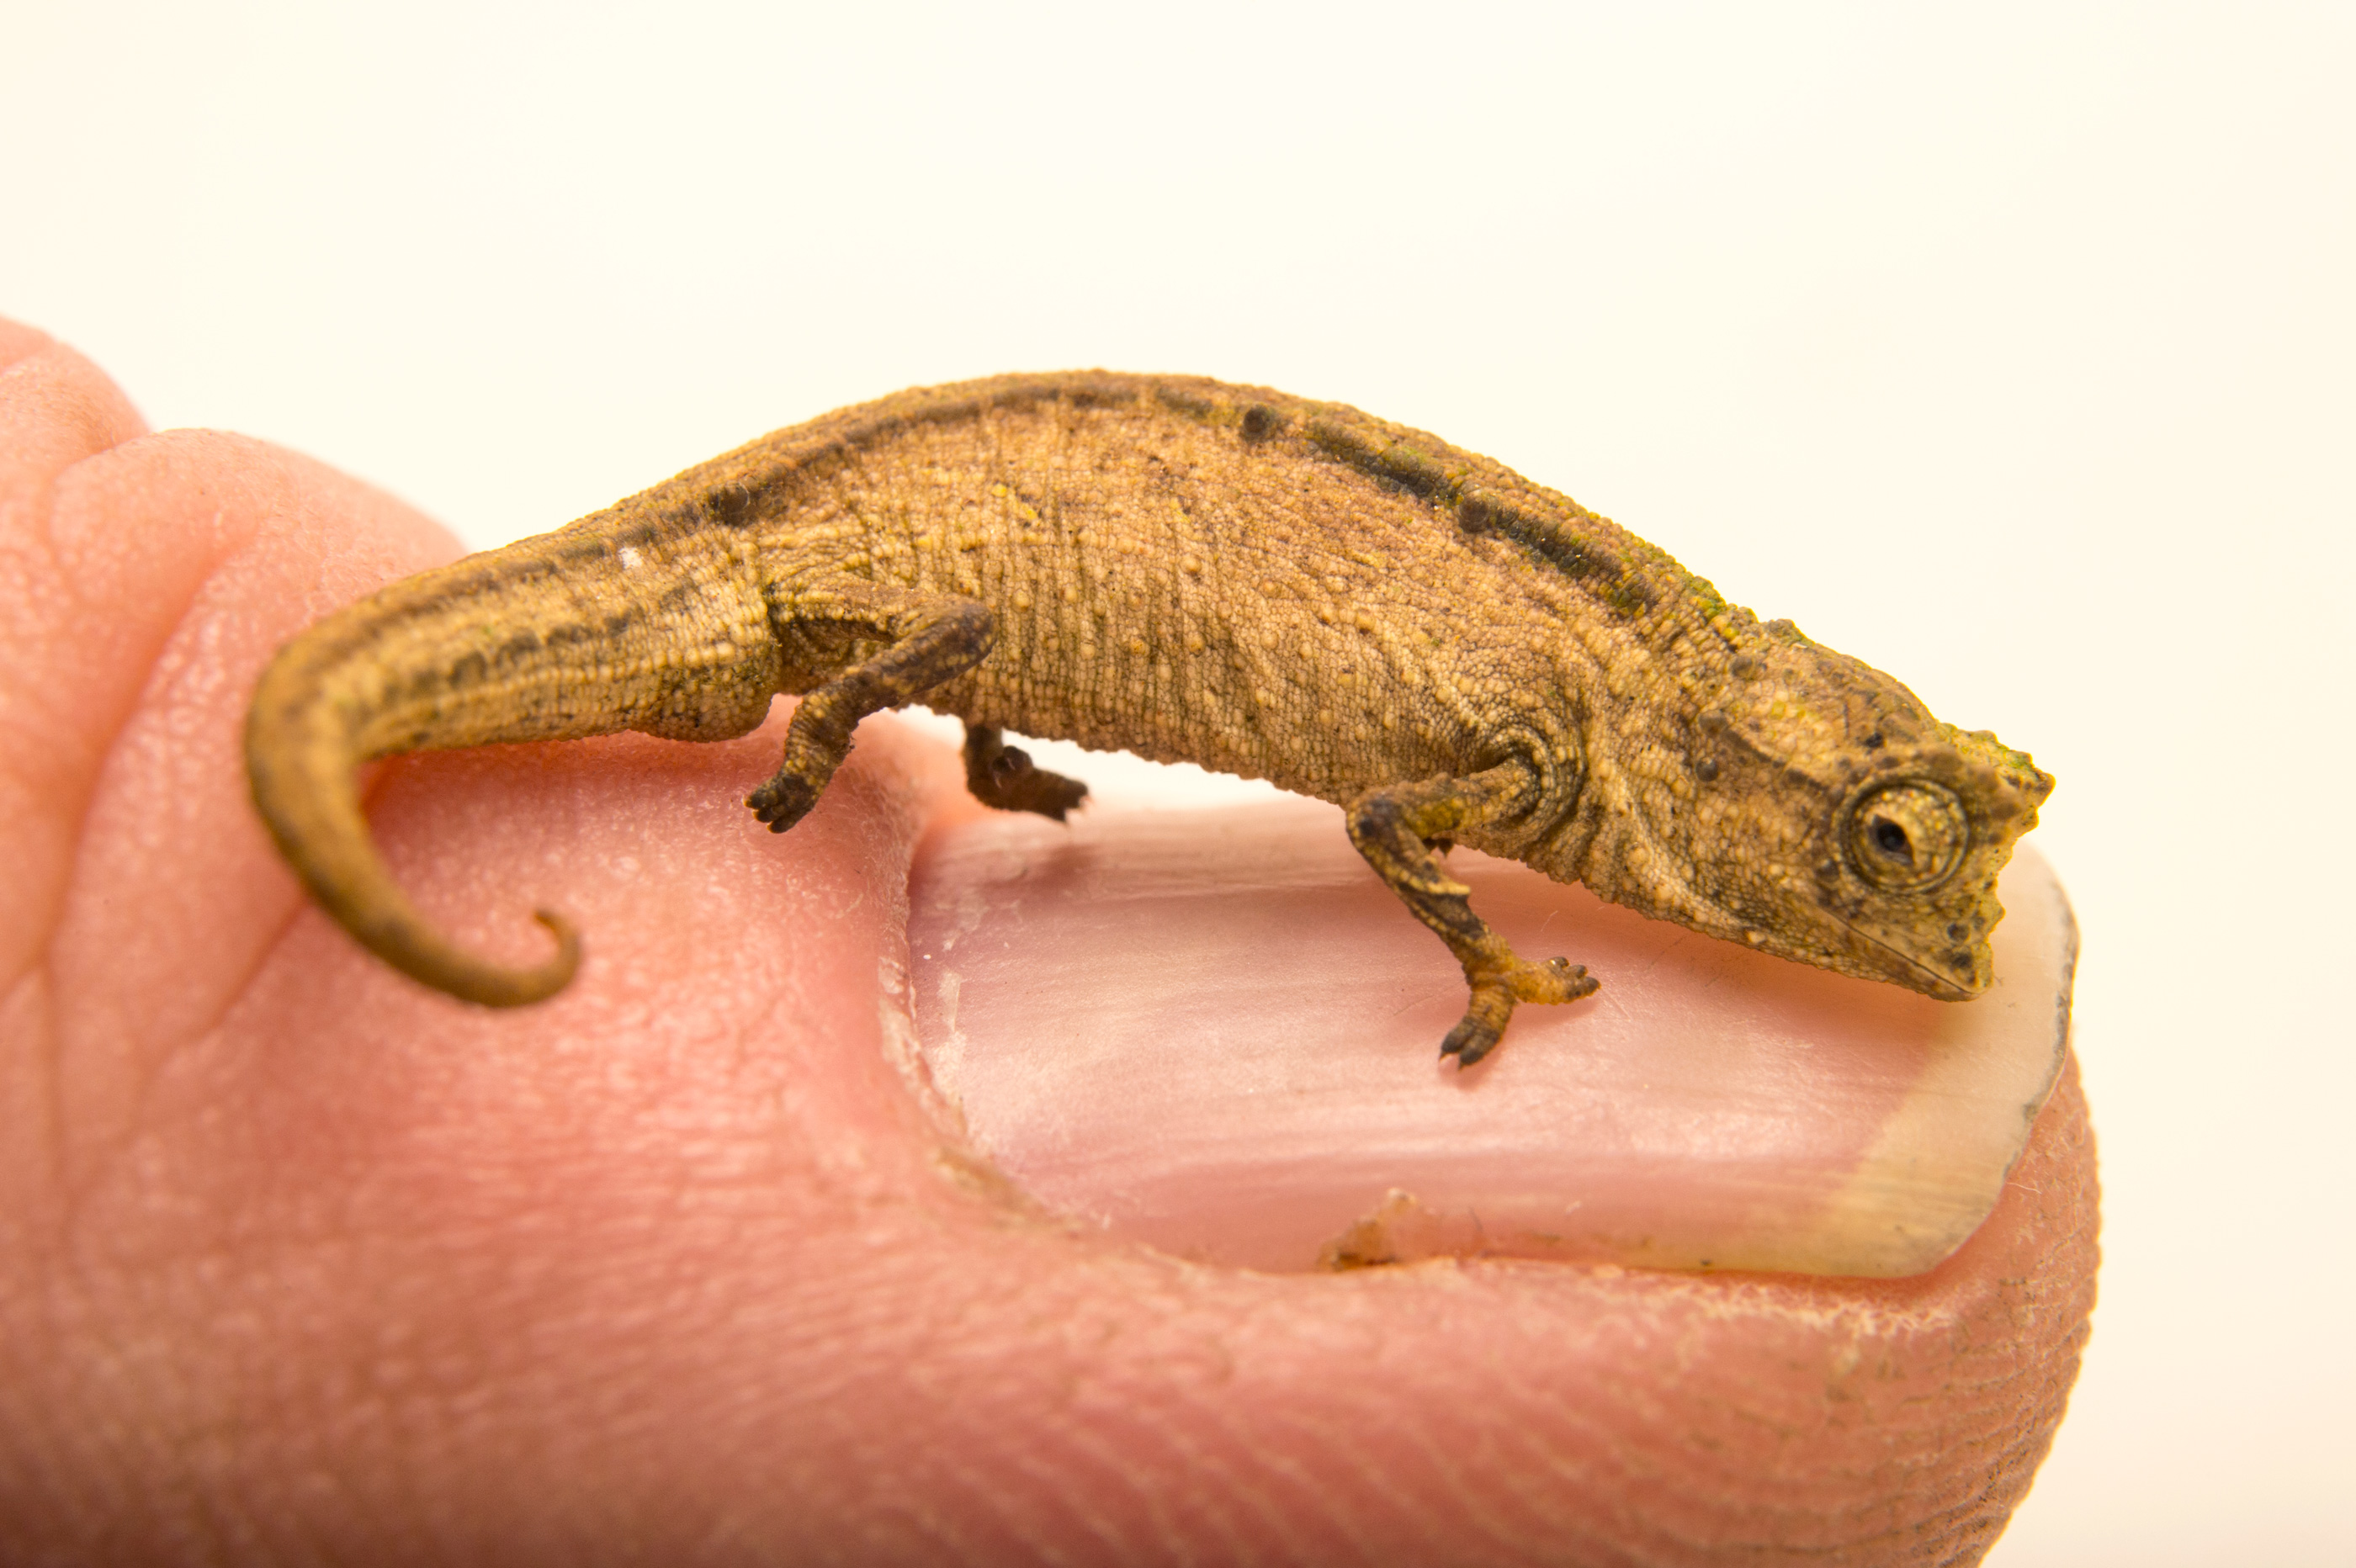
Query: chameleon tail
307,733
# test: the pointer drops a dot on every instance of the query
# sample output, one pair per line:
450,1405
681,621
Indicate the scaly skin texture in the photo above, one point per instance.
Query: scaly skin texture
1195,571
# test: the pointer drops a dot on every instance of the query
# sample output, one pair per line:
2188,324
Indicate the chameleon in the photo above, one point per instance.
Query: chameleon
1263,584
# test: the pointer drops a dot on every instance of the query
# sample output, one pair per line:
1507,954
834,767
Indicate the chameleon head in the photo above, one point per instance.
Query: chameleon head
1913,846
1812,808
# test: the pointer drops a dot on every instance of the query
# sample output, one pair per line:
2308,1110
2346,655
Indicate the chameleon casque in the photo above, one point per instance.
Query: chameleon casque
1266,586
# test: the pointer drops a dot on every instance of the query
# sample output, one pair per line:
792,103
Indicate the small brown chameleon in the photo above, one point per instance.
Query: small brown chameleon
1281,589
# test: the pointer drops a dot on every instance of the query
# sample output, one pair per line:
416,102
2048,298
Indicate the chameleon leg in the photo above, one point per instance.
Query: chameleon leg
1002,775
1393,828
931,639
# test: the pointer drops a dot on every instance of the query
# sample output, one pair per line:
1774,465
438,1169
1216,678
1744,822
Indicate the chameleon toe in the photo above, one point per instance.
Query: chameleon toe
1470,1040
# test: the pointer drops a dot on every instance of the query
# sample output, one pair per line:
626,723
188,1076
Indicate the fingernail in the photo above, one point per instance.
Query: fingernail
1216,1033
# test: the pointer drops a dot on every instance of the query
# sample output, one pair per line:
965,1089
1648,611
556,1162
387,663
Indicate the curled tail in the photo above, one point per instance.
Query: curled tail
573,634
305,740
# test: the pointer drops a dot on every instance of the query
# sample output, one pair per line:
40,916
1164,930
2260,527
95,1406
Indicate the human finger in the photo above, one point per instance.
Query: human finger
687,1263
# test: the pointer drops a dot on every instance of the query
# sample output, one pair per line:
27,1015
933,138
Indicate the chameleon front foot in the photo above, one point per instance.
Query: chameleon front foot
1398,828
1495,996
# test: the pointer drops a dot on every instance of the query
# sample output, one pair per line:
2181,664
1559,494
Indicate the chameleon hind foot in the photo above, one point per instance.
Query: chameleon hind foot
928,638
785,800
1495,995
1003,776
816,742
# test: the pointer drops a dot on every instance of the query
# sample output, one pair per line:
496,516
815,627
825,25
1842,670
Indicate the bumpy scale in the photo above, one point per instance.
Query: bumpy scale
1225,575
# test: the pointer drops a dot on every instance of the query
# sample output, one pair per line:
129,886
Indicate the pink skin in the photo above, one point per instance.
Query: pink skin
298,1261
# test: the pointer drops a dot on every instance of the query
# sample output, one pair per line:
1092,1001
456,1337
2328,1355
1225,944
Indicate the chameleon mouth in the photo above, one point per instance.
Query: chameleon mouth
1915,975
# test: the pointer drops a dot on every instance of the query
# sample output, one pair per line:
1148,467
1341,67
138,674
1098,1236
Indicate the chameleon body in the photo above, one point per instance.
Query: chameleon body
1266,586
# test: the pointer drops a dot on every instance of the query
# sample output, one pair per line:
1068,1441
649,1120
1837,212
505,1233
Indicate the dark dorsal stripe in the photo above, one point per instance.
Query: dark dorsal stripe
1482,510
1349,439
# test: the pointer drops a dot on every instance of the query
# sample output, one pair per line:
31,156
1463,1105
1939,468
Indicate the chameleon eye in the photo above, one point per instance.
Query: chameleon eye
1907,836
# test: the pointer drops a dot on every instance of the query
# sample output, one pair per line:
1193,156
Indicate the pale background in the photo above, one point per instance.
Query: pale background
2010,347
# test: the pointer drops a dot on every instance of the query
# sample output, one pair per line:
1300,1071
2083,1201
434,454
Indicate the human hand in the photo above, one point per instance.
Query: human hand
300,1260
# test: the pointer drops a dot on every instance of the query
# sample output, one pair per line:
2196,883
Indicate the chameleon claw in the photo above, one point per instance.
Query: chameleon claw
782,802
1469,1041
1474,1052
1555,980
1476,1034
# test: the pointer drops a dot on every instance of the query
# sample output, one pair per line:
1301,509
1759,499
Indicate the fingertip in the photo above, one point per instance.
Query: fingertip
17,340
57,408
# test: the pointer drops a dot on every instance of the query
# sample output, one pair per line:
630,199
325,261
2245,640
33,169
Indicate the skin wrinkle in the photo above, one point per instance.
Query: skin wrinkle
205,1028
1124,1434
1601,1467
1002,1516
1080,1417
106,735
1268,1484
1125,1454
161,469
38,1057
1347,1493
1557,1512
1229,1544
1454,1466
1078,1458
33,957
